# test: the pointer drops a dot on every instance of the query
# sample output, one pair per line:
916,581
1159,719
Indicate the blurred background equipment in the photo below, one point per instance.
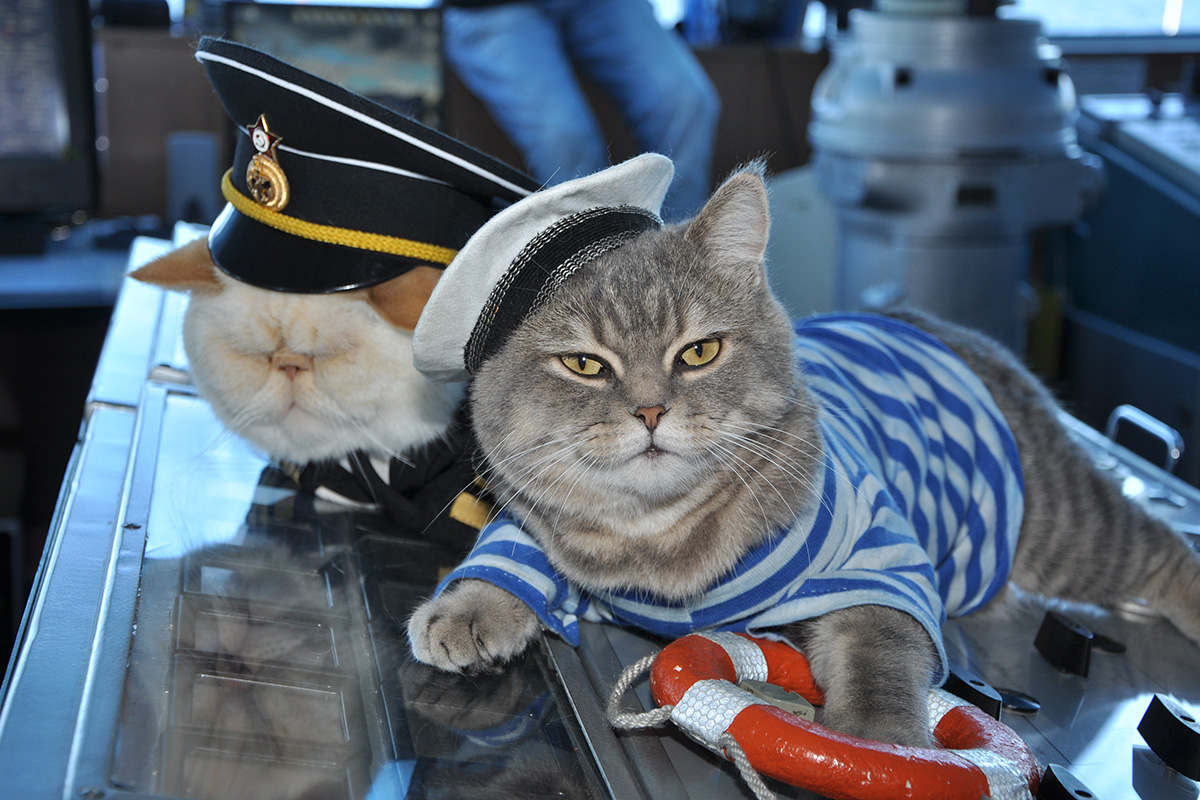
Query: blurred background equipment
47,120
944,135
388,52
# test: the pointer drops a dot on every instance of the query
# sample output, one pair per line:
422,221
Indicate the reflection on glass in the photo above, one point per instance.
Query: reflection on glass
255,706
269,661
223,630
204,484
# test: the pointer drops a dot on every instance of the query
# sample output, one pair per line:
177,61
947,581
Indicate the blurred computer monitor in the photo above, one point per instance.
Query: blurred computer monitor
388,52
47,118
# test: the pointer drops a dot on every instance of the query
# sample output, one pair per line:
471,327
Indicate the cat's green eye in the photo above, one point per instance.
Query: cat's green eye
586,365
697,354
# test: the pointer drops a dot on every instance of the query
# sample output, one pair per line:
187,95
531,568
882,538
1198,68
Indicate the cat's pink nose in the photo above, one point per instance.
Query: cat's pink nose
649,415
291,364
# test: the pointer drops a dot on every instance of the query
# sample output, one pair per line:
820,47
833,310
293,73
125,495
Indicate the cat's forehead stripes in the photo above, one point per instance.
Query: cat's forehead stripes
330,191
541,267
523,255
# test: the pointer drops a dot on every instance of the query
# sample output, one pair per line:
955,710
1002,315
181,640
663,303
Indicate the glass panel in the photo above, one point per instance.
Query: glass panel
269,658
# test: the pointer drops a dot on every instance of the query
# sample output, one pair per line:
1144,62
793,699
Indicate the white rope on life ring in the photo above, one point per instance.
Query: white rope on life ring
694,682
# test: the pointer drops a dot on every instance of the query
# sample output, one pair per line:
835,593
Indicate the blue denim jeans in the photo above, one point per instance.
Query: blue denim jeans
520,58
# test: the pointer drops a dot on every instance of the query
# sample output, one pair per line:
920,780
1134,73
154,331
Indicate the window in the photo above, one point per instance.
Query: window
1111,18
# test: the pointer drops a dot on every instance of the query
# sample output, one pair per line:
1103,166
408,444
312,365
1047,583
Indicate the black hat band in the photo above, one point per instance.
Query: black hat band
256,253
330,234
544,264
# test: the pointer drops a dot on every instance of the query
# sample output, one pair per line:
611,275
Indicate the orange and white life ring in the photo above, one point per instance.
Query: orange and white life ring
698,675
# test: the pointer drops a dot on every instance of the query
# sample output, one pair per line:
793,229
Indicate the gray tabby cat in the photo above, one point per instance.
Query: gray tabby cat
729,453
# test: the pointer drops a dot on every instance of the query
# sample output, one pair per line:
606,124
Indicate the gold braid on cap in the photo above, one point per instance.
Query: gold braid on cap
359,240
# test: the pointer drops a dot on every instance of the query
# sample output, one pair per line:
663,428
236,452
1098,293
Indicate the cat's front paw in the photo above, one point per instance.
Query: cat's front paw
876,665
472,627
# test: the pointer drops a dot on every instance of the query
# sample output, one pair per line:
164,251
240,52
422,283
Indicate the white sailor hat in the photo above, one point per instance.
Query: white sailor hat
330,191
515,261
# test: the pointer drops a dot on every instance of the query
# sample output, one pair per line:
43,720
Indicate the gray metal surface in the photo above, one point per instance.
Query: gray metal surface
132,333
1089,724
145,336
1107,364
1131,333
41,702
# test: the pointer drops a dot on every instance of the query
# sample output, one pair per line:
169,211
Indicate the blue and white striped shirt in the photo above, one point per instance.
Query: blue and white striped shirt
921,503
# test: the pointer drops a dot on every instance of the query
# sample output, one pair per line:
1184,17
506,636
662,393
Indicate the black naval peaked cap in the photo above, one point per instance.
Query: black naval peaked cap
330,191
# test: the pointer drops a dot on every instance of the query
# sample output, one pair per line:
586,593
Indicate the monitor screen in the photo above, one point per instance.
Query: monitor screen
47,109
390,53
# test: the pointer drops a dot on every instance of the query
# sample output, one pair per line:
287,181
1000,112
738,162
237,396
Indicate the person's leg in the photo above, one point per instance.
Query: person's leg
667,98
512,57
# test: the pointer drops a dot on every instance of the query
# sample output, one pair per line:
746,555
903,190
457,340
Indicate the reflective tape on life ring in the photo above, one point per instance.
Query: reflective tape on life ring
698,675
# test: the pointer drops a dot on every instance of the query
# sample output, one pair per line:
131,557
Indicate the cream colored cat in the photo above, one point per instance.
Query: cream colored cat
308,377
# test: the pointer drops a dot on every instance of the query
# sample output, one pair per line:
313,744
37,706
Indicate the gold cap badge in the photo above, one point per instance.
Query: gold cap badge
264,177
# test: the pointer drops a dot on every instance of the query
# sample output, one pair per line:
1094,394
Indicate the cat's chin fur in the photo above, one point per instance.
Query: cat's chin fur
305,377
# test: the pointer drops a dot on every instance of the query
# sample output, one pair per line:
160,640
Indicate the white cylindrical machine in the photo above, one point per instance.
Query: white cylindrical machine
944,138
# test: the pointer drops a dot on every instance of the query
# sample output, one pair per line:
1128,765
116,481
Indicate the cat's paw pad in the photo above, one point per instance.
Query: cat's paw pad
473,627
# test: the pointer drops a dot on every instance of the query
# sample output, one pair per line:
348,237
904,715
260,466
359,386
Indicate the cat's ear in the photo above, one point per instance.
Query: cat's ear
735,222
402,299
189,268
733,226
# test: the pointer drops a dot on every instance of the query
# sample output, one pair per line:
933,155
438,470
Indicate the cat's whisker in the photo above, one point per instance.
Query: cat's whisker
804,475
732,464
769,483
789,467
559,510
763,447
814,451
495,466
535,472
347,419
449,503
590,463
521,480
856,408
356,460
809,448
378,445
242,417
482,477
534,503
500,467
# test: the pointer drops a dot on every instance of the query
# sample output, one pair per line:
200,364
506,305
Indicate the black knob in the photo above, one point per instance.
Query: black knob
1173,733
1059,784
1019,703
974,690
1065,644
